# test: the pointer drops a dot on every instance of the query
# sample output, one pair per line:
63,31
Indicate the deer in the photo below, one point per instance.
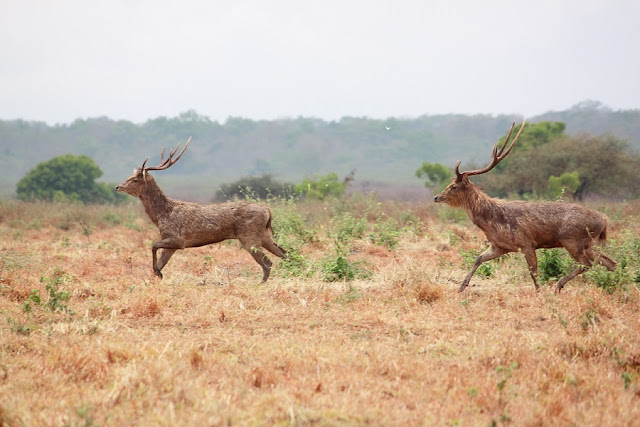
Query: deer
188,225
521,226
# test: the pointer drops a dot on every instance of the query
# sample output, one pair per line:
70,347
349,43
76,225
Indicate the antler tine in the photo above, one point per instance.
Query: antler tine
504,144
164,164
497,155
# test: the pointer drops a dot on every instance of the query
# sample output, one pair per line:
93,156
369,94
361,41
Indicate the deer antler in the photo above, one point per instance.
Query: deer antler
164,164
496,156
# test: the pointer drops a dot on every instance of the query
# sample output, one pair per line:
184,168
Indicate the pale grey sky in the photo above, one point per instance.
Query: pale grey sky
136,60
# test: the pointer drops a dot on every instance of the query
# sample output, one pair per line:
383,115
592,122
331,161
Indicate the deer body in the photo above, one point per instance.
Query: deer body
518,226
186,225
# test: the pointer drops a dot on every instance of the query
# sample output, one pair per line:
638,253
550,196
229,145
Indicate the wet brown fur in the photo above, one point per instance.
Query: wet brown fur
518,226
186,225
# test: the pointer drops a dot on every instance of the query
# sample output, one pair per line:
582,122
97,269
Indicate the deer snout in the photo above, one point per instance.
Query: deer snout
117,188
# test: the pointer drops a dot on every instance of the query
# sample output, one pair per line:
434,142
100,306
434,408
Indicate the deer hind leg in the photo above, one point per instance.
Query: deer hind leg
581,269
582,253
269,244
491,253
601,259
260,257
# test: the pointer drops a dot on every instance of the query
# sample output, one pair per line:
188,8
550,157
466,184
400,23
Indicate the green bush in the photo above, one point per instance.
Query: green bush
386,233
338,267
322,187
553,264
346,227
255,187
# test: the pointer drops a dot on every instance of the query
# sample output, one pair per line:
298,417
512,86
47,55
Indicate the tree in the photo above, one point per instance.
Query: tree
591,165
322,187
435,174
66,178
568,182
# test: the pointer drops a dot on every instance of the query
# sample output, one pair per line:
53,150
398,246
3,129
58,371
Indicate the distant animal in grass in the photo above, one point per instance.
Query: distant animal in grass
187,225
519,226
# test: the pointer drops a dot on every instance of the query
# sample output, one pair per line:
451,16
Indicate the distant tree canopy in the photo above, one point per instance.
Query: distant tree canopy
546,162
436,175
258,187
67,178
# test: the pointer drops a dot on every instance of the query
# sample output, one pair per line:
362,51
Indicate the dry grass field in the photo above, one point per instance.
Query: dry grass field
89,337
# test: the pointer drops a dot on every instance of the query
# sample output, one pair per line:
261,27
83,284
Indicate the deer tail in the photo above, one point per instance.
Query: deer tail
269,220
602,237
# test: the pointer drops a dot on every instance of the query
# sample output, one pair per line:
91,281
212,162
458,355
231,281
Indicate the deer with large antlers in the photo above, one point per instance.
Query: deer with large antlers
187,225
519,226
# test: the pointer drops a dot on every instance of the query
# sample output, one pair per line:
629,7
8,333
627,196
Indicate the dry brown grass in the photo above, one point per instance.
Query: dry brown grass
209,345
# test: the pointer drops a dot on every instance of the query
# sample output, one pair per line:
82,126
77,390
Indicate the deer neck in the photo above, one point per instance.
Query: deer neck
155,203
480,207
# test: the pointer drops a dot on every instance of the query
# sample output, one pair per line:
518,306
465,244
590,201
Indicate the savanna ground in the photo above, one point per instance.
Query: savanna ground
364,325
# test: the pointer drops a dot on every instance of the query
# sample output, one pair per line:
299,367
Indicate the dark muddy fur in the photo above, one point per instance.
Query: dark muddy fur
187,225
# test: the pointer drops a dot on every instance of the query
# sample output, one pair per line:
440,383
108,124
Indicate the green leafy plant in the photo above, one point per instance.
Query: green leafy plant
19,328
553,264
57,297
386,233
346,227
609,281
338,267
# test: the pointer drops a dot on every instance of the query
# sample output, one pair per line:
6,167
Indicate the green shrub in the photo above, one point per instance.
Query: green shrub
255,187
322,187
609,281
386,233
346,227
553,264
57,297
337,267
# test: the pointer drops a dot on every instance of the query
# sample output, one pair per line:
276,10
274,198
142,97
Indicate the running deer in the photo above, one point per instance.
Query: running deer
187,225
519,226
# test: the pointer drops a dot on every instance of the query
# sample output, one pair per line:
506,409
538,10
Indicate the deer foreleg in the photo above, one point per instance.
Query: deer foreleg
532,261
169,247
491,253
565,279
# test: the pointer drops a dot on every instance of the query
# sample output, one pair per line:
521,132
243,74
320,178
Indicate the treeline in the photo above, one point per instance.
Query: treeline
381,151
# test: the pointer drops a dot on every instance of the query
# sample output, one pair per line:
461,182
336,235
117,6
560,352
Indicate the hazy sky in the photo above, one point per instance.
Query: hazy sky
135,60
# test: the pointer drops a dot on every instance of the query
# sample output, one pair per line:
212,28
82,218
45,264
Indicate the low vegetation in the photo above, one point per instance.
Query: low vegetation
363,323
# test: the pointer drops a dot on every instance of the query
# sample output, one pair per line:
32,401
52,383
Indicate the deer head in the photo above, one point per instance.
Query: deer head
135,184
456,193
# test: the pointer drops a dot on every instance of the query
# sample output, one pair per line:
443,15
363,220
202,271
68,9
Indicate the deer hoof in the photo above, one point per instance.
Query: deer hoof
157,273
